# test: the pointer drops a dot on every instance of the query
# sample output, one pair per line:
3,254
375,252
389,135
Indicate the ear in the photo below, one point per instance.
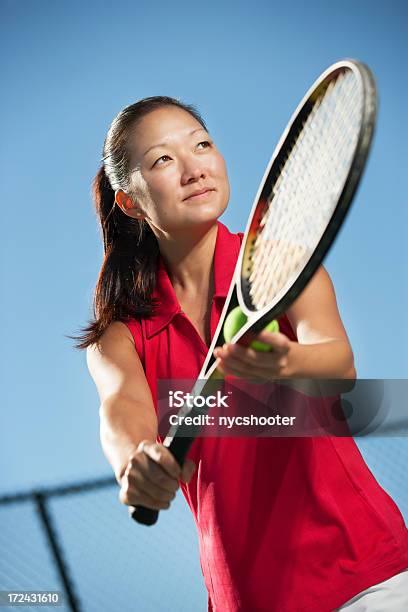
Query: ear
127,205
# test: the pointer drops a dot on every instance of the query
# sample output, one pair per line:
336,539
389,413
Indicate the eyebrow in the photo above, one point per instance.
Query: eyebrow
164,144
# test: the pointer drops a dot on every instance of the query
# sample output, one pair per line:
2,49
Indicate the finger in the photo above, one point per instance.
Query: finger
227,352
261,363
231,368
245,366
155,490
252,356
162,456
228,365
152,473
268,370
238,373
140,465
138,498
277,341
188,470
248,355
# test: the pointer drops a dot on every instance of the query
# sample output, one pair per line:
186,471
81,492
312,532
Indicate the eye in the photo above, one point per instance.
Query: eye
163,158
206,144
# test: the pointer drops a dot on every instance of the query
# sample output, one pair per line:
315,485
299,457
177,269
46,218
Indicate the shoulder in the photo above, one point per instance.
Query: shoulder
116,334
121,329
114,352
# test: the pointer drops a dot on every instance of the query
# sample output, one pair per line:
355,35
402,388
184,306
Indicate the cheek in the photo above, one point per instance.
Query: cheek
220,168
220,171
163,186
162,205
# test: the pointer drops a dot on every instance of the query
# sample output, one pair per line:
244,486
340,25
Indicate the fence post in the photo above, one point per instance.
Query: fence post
57,552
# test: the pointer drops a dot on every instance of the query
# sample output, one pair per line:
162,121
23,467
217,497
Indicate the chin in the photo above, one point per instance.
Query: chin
192,216
206,211
206,214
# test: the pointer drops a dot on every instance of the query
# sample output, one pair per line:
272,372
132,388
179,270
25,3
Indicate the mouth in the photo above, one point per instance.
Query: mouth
199,194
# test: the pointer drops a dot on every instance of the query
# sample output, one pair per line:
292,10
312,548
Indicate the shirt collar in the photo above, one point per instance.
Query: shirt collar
227,247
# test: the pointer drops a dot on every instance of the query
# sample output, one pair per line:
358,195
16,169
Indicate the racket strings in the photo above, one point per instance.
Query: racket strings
305,195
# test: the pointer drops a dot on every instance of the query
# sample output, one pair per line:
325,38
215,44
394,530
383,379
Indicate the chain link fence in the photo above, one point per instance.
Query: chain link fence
79,540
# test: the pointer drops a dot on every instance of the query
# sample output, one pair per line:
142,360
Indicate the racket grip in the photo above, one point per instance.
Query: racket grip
144,516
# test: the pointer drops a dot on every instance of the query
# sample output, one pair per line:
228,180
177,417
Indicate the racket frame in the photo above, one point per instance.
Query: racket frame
258,319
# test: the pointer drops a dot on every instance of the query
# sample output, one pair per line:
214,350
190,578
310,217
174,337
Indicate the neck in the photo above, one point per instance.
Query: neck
189,258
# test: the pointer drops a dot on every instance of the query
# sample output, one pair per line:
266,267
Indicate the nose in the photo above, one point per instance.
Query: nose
192,171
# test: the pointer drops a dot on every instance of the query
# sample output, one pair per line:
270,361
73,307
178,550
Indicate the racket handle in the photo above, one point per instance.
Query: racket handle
179,448
144,516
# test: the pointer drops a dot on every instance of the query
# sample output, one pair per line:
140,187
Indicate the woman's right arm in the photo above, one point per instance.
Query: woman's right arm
147,472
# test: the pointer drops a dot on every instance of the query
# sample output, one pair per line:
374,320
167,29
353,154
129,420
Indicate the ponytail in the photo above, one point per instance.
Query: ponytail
128,273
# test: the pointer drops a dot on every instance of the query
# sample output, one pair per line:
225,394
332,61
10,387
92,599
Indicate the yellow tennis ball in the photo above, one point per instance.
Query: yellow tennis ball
233,323
273,326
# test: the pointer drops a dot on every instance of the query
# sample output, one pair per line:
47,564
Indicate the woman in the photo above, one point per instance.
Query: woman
285,524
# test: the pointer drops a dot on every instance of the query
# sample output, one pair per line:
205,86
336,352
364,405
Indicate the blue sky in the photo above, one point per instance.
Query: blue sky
67,70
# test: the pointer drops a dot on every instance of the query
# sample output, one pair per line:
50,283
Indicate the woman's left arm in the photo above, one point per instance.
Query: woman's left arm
322,351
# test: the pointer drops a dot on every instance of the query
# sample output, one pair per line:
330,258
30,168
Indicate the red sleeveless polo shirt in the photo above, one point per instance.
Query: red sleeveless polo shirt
284,524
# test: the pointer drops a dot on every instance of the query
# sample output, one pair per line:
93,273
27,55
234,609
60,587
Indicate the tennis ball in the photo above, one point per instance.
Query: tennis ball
273,326
233,323
237,319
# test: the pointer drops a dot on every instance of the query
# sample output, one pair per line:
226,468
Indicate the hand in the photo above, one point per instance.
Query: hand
245,362
152,476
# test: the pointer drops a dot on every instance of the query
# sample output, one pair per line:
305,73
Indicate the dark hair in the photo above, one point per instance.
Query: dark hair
128,273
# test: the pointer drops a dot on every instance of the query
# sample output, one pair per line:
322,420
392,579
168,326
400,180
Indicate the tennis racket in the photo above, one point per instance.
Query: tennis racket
298,210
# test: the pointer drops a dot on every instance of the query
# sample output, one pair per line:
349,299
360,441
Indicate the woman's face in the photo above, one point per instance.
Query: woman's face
179,177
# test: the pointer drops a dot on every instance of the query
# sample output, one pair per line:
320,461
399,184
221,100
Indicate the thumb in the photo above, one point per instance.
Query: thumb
187,471
277,341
